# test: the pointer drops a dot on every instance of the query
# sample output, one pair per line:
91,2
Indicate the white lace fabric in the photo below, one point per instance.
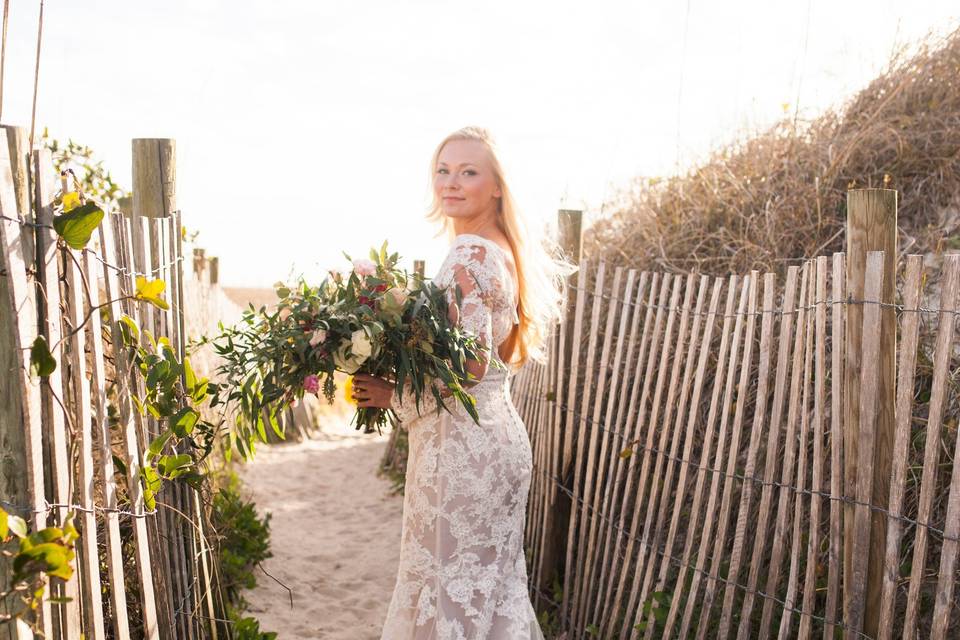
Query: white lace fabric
462,572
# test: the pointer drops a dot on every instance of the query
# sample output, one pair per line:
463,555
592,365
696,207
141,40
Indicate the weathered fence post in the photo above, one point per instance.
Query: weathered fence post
569,238
871,226
214,270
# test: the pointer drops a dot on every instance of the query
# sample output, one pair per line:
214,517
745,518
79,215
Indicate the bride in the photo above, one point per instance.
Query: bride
462,573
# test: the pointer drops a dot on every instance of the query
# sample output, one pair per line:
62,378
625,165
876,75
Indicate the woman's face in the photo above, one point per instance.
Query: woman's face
463,180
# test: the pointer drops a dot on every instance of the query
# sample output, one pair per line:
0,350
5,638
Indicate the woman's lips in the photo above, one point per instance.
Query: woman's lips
451,198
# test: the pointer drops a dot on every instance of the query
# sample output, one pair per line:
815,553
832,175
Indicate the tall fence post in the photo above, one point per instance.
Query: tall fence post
871,226
569,238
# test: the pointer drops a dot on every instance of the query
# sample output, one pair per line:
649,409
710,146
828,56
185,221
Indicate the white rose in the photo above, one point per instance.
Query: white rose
361,345
346,363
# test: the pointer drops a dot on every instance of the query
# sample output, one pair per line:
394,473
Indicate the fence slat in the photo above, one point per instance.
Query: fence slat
835,564
746,494
89,556
793,575
789,459
819,392
932,445
948,554
571,423
906,372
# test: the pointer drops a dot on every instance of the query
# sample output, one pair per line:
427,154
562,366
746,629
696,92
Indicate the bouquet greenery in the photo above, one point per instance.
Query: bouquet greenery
375,319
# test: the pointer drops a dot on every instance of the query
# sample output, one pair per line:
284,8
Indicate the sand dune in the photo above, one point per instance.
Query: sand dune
335,533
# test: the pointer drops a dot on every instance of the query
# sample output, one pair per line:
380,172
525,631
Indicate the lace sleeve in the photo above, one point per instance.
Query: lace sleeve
406,406
470,266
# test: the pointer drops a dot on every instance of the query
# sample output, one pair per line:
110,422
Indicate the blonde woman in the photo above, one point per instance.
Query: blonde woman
462,573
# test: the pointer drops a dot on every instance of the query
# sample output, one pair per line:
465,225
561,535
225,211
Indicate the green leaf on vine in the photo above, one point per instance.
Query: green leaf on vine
151,291
158,444
119,464
17,526
42,362
184,421
171,466
151,485
78,225
129,330
49,557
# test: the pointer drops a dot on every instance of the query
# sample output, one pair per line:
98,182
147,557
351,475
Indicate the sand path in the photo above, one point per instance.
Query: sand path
335,535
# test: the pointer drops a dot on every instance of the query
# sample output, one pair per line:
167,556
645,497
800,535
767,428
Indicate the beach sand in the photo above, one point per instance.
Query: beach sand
335,535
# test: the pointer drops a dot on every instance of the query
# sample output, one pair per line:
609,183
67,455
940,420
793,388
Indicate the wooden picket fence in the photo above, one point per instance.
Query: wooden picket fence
697,471
139,573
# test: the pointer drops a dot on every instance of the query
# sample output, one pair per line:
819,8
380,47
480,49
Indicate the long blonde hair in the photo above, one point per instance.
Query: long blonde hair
540,267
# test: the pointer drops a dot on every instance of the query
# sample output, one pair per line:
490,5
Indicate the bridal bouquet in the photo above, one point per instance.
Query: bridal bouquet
374,318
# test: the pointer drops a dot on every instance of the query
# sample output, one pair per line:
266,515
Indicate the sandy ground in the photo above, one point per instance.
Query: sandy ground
335,533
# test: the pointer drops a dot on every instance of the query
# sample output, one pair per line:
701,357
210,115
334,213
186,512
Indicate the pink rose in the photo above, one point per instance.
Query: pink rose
311,384
364,267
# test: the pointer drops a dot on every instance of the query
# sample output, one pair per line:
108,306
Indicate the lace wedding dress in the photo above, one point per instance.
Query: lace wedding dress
462,573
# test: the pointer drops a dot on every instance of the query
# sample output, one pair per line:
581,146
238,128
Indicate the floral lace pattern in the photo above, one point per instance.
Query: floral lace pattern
462,572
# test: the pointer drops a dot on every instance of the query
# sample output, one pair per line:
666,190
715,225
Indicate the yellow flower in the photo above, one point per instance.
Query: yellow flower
348,390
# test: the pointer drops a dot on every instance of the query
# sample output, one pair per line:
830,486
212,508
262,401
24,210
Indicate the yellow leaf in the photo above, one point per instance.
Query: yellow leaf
151,291
71,200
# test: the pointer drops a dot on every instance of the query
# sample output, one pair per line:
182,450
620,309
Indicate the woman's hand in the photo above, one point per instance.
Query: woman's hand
372,391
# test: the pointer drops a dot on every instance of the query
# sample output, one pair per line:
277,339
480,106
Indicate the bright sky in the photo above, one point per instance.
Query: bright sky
305,129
